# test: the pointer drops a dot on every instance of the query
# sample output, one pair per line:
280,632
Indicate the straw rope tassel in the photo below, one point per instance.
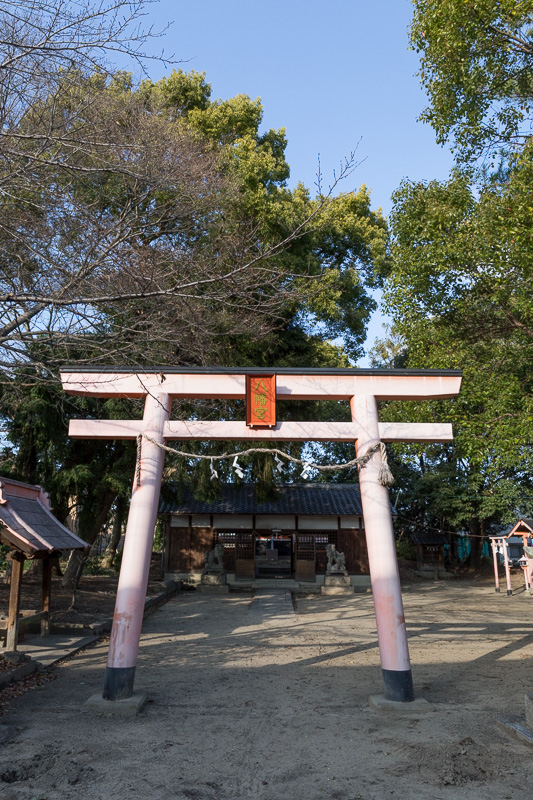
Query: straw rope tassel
138,461
385,476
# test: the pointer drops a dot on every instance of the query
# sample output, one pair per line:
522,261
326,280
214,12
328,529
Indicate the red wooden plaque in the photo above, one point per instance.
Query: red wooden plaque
260,401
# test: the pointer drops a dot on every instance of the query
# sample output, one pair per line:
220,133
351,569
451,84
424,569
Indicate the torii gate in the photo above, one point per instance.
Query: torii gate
160,385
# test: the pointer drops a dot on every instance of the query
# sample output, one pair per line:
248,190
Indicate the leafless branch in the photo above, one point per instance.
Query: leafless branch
119,235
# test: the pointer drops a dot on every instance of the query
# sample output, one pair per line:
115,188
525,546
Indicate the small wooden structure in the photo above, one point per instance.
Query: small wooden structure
285,537
501,545
524,530
430,550
28,526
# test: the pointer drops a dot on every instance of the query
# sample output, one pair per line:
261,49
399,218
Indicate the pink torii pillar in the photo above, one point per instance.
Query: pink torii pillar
135,565
381,547
507,565
361,387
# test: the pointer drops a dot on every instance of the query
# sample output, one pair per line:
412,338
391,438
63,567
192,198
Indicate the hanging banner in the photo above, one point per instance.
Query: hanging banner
260,401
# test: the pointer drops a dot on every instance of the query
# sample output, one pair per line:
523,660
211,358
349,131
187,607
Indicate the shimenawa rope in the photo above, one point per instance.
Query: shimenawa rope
385,476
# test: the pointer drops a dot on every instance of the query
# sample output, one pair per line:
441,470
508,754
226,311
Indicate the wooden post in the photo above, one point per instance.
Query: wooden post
46,592
495,562
526,579
17,559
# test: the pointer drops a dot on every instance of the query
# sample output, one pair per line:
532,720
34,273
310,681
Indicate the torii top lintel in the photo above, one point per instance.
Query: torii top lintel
292,383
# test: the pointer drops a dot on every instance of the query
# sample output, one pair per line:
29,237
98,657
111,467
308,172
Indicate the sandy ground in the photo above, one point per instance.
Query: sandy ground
253,701
95,598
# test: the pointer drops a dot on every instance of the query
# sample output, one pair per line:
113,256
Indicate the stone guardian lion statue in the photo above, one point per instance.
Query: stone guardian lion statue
214,560
336,561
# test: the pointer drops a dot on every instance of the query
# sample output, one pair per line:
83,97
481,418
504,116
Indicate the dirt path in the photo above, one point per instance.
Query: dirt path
263,703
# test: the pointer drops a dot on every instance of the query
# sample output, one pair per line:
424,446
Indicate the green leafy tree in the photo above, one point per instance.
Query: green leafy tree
459,296
176,227
178,242
460,280
476,67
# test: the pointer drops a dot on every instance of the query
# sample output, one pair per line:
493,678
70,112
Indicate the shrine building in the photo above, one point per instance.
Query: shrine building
285,538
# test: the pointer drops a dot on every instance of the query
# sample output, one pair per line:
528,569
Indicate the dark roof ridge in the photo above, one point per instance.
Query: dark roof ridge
312,484
148,370
317,499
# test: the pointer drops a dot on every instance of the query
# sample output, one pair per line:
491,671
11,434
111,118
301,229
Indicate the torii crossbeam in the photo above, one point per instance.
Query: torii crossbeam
361,387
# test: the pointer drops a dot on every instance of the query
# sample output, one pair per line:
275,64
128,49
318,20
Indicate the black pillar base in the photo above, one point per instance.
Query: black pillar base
509,591
398,685
118,683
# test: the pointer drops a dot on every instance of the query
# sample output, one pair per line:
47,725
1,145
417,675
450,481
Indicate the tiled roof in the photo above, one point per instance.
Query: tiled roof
306,498
521,527
527,522
27,524
429,538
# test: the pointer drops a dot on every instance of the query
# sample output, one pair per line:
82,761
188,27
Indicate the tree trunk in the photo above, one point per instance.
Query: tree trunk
91,518
476,542
73,570
111,551
454,557
75,565
36,568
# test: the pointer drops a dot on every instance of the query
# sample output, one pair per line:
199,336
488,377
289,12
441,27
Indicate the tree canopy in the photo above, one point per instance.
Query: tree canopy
459,294
460,281
171,228
148,223
476,67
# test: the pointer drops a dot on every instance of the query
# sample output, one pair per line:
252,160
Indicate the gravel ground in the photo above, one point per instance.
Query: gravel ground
250,699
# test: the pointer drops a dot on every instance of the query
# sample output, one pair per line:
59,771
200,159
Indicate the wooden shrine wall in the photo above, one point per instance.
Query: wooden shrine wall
352,543
186,548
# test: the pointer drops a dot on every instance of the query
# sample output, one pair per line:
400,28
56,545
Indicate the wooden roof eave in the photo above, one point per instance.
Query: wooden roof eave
20,544
25,538
522,523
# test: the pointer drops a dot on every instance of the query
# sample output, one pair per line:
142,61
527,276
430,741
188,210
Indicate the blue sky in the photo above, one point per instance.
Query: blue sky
336,75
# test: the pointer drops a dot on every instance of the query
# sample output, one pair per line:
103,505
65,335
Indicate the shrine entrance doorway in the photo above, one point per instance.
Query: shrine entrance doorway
274,555
305,557
245,555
